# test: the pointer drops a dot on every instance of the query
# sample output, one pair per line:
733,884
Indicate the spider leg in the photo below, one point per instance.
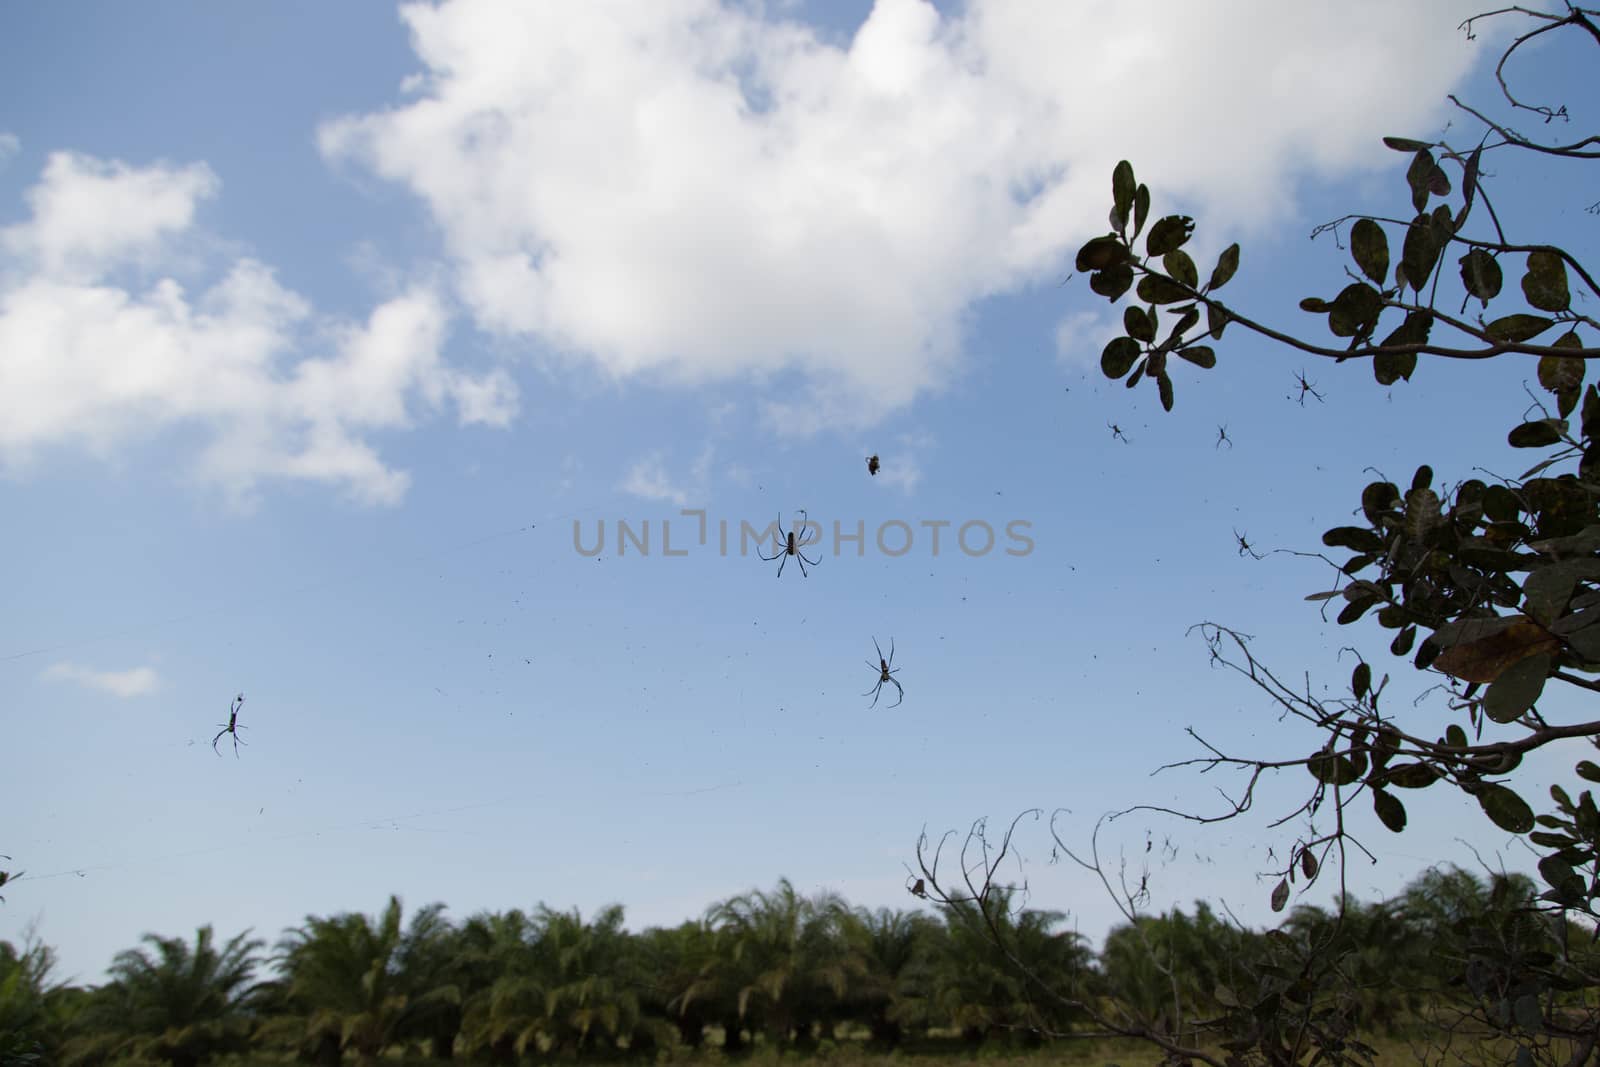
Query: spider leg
768,558
891,652
781,565
214,740
876,691
802,560
803,556
898,686
878,650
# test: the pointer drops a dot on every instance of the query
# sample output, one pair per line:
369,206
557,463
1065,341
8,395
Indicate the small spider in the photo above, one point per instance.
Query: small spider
1245,548
232,727
884,675
791,546
1223,438
1116,432
872,464
1306,387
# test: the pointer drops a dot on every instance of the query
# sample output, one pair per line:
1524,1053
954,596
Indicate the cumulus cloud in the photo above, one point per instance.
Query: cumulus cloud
648,478
696,190
129,683
277,392
1082,335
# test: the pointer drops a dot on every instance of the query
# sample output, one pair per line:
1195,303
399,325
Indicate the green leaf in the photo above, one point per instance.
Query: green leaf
1361,680
1227,265
1390,811
1420,177
1514,329
1419,254
1545,284
1199,355
1169,234
1140,326
1154,289
1390,367
1410,776
1280,894
1141,209
1119,356
1308,863
1587,771
1538,434
1164,388
1370,248
1455,736
1187,319
1102,252
1216,319
1563,377
1480,273
1354,538
1507,810
1315,305
1405,144
1355,311
1517,688
1560,875
1122,188
1112,282
1182,268
1403,641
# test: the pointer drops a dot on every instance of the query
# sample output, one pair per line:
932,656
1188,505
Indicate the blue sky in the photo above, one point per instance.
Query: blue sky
323,325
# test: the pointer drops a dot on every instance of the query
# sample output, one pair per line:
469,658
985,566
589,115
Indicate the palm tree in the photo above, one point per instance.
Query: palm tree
591,992
501,997
347,986
789,961
30,1029
432,973
175,1003
1005,970
893,950
682,979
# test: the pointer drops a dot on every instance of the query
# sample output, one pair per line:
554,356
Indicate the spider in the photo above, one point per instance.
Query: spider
1245,547
1116,432
232,727
872,464
1223,438
791,546
1306,387
884,675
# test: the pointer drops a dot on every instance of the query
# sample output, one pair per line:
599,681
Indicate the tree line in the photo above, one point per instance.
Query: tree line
775,968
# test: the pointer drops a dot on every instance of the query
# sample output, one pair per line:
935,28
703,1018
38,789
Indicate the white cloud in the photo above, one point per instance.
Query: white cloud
9,146
900,468
690,190
130,683
1082,335
90,215
277,392
648,479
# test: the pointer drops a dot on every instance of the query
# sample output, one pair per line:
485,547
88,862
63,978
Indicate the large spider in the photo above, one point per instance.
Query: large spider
884,675
791,546
232,727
